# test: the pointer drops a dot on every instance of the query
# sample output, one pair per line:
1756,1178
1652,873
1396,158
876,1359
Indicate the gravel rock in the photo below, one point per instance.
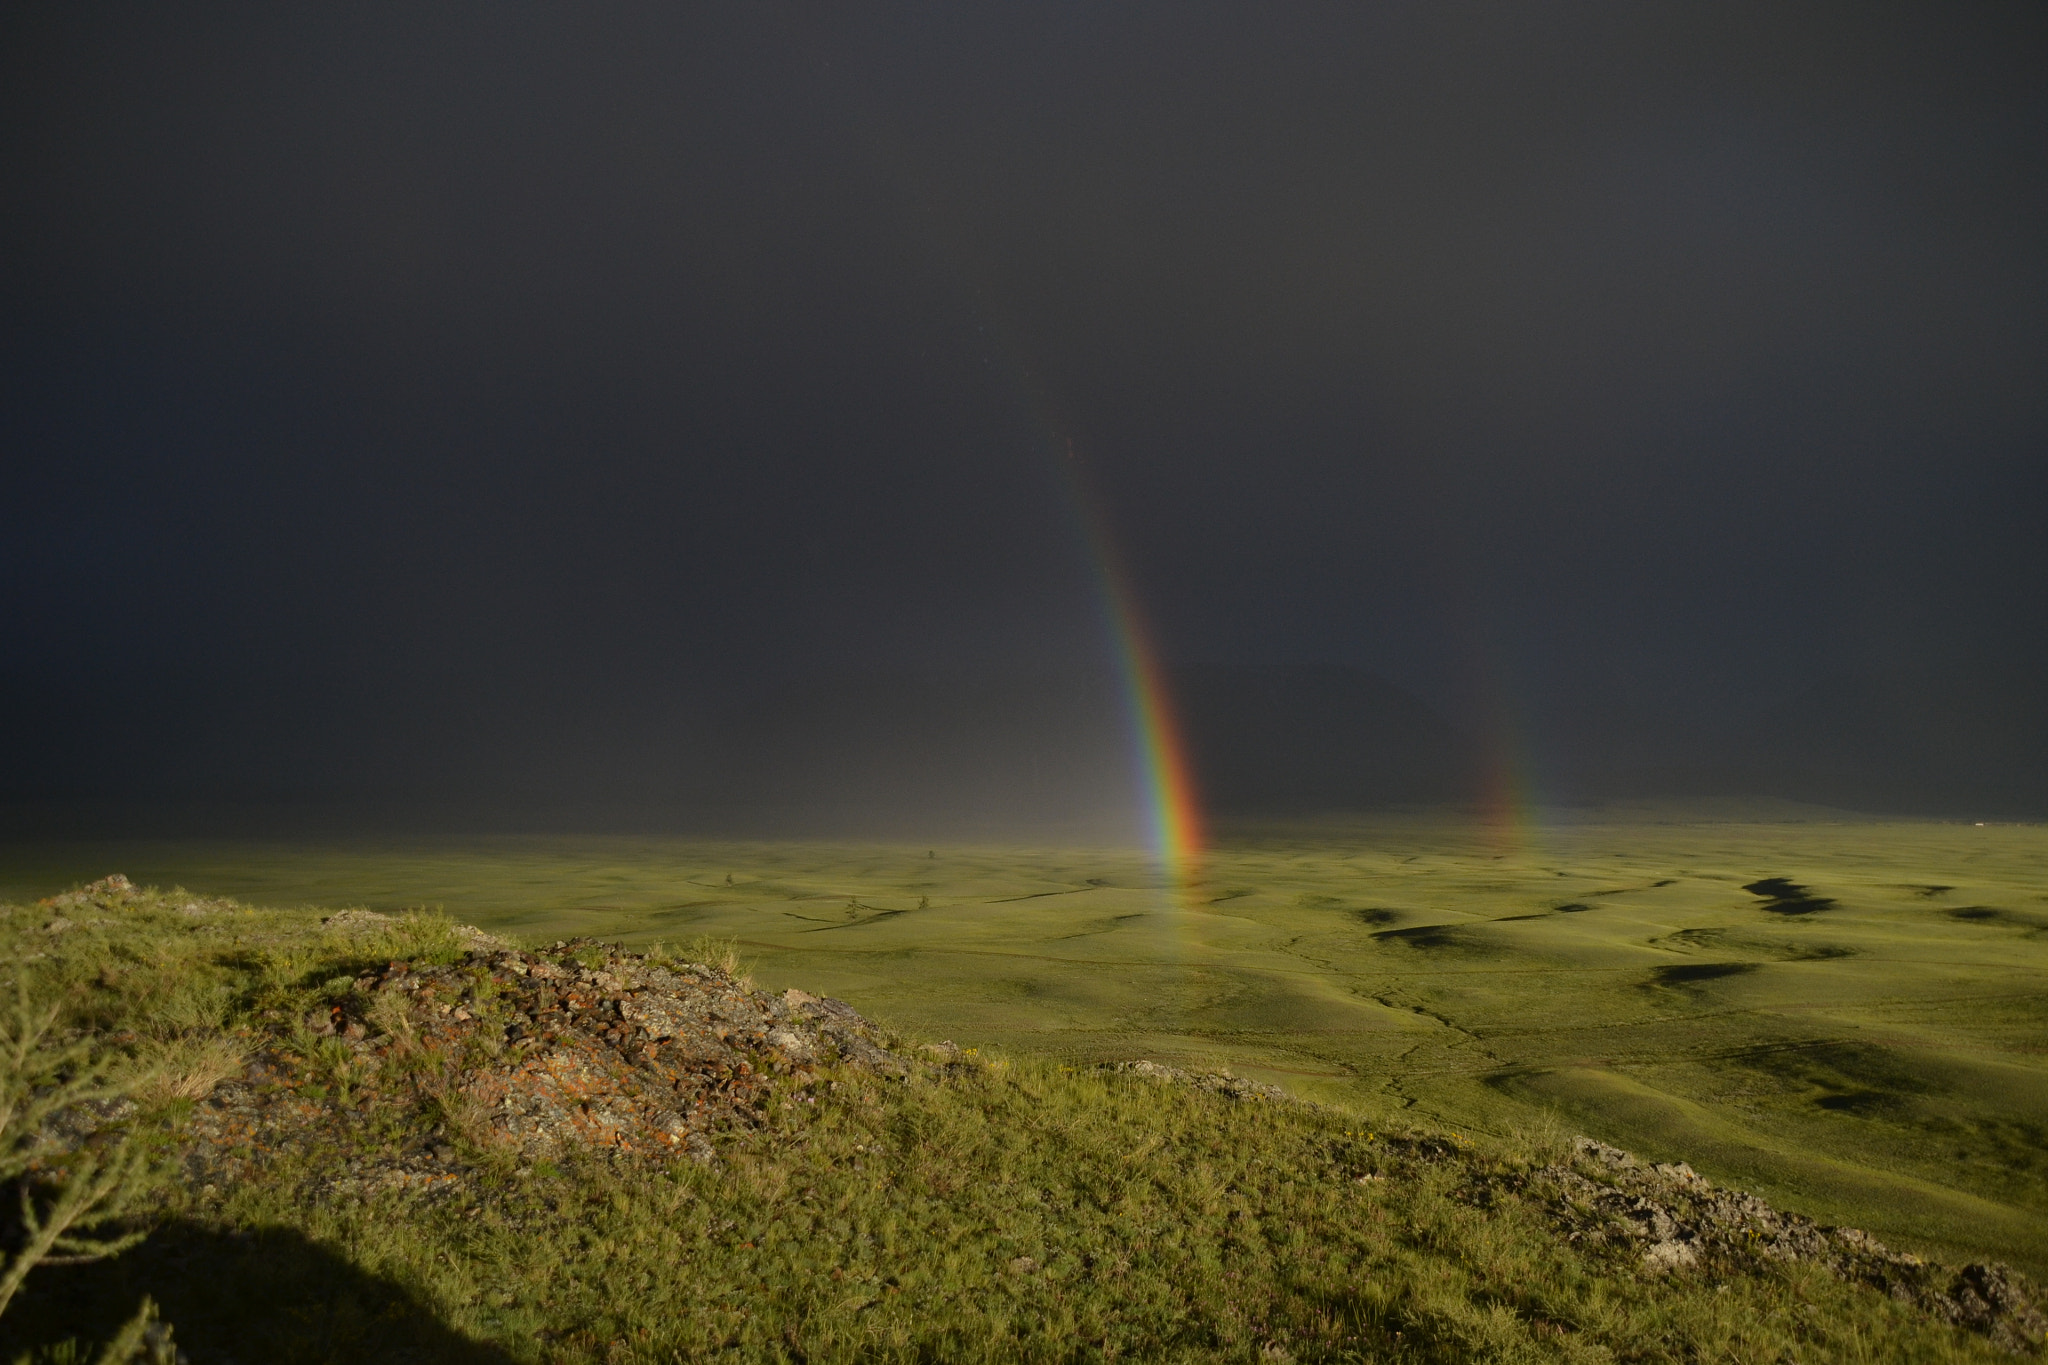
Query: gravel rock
116,892
107,893
1216,1082
355,921
1677,1218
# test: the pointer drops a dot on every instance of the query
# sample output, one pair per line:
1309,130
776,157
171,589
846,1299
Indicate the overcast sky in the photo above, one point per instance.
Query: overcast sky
471,398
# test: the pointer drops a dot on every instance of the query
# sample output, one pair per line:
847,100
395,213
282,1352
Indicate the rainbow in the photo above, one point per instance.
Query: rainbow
1509,807
1166,776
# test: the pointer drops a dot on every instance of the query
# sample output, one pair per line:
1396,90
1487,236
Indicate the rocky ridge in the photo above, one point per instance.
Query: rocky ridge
581,1046
1676,1220
1679,1219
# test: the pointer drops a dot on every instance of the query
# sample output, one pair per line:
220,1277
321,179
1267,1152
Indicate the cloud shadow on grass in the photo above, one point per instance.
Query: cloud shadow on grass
1439,937
1782,896
1990,914
1696,973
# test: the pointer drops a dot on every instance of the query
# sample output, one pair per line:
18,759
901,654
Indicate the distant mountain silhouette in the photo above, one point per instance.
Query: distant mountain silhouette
1314,737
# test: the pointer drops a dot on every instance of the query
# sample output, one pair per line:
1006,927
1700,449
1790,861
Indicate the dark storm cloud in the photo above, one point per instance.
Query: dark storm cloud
486,399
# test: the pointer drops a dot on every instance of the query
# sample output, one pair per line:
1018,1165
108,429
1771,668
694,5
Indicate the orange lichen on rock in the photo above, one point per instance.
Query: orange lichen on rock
581,1046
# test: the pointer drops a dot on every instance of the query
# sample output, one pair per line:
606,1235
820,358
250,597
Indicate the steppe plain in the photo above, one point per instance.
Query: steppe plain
1848,1017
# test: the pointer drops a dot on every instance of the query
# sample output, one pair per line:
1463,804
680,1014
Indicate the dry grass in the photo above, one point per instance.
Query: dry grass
187,1068
722,953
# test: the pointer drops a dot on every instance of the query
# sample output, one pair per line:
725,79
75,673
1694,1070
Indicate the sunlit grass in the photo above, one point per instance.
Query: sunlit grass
999,1207
1874,1062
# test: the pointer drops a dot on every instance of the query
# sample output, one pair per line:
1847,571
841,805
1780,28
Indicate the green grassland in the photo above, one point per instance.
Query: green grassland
1869,1048
984,1208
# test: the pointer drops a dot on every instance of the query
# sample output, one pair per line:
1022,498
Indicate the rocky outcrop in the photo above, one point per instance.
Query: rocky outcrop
579,1047
1677,1218
1215,1082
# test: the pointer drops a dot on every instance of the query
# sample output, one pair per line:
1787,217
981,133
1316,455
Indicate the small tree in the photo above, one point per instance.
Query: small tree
68,1214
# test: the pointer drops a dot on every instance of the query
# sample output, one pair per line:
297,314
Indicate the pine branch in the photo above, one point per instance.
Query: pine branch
60,1213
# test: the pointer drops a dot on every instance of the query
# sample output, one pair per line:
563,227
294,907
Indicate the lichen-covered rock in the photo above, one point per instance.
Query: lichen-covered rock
580,1047
116,892
1678,1219
107,893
